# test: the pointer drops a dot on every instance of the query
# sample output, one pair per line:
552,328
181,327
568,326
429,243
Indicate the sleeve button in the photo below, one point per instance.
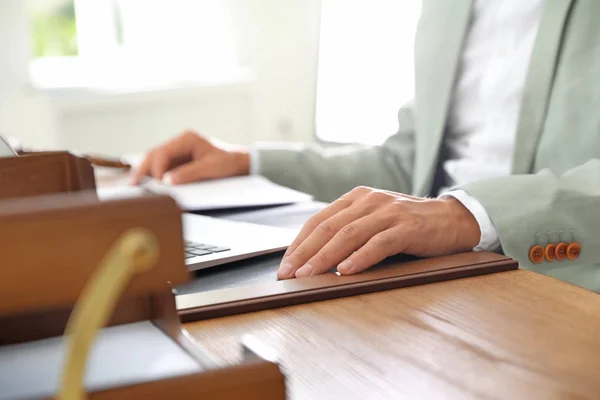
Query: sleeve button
550,252
561,251
573,251
536,254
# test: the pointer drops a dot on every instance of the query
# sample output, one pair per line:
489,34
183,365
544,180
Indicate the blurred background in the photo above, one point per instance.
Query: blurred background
121,76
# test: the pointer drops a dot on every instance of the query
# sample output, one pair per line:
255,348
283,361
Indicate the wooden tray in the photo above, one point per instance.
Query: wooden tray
390,275
38,174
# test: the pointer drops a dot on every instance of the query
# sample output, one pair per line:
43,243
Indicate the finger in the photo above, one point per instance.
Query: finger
318,238
314,221
343,202
141,171
377,249
184,145
348,239
156,164
203,169
288,267
159,165
176,151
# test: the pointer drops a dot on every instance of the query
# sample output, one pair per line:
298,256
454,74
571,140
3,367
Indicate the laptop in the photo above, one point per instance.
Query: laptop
213,241
6,149
210,241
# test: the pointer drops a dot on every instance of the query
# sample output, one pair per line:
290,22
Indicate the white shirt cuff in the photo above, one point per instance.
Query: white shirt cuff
254,161
489,240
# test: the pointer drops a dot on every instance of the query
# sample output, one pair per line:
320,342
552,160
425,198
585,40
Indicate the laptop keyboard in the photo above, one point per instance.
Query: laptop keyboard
193,249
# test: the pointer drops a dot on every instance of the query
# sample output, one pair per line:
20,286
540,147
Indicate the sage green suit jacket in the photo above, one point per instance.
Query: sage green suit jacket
555,184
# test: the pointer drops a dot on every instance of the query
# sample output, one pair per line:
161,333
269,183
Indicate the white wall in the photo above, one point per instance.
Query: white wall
136,122
279,44
284,41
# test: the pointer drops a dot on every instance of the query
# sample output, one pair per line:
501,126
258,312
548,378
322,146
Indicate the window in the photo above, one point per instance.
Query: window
130,43
365,68
54,30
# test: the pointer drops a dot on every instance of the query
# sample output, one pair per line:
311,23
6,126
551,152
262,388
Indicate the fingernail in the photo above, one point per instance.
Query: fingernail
306,270
285,269
167,179
345,266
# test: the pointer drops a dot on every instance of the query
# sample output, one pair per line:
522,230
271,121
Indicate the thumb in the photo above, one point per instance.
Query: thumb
209,167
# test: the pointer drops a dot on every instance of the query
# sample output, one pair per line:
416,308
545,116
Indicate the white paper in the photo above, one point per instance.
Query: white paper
292,216
244,191
121,355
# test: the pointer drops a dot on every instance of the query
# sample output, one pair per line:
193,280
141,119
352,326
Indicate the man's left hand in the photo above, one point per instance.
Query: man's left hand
366,225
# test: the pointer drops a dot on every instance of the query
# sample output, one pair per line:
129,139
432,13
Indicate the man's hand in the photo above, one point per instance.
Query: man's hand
365,226
189,158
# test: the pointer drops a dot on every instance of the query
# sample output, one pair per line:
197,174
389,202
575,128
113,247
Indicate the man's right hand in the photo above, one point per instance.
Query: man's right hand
191,157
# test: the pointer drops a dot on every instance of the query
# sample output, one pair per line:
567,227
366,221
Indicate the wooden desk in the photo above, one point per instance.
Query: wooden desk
511,335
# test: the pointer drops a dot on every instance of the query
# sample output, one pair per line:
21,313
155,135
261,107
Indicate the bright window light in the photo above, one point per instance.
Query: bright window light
122,44
365,68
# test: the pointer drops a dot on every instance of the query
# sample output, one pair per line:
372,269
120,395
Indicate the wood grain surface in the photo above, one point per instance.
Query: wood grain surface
38,174
62,238
509,335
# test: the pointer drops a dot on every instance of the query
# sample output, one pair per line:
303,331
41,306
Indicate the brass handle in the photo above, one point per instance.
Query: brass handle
134,252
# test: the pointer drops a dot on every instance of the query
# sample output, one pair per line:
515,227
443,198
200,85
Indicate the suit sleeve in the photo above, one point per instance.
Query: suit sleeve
526,208
329,173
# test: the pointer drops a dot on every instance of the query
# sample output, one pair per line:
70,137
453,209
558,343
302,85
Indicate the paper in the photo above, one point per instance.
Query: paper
237,192
292,216
122,355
